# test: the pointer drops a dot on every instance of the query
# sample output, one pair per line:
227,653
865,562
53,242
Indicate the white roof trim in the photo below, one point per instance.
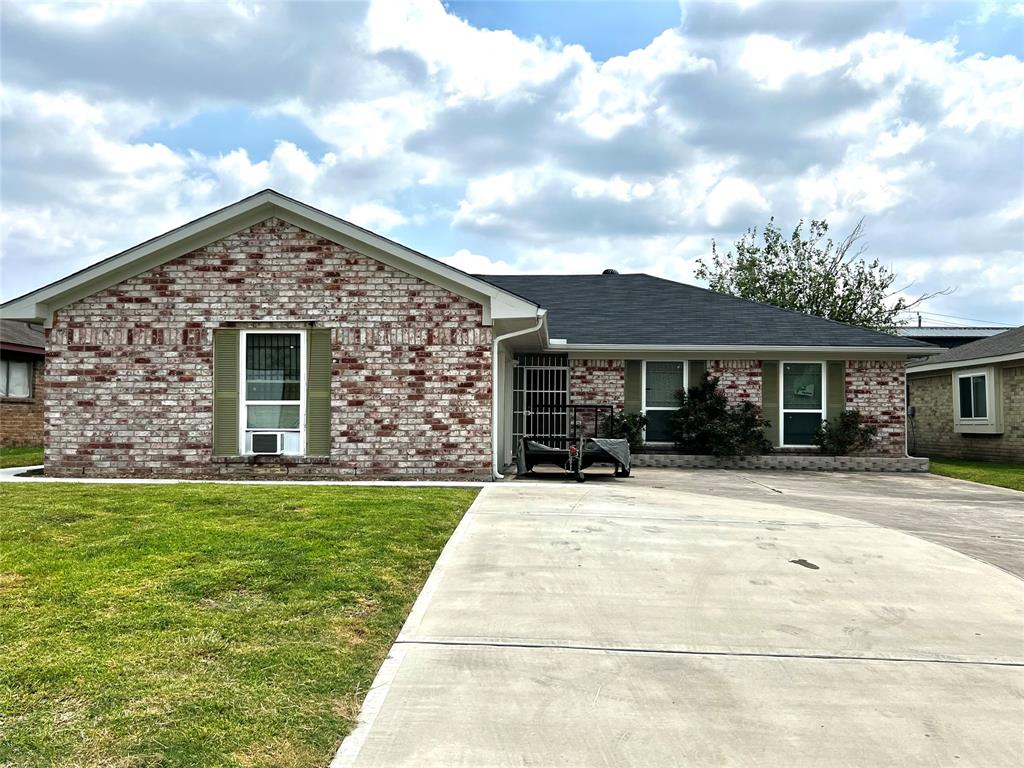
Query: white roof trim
39,305
760,349
972,363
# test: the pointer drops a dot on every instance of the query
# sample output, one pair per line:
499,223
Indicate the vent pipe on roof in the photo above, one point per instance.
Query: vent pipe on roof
610,272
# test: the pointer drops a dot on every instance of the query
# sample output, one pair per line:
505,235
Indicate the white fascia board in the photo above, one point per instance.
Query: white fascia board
39,304
975,363
638,349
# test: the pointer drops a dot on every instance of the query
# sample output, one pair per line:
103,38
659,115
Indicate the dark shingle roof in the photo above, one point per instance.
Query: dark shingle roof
1008,343
647,310
22,334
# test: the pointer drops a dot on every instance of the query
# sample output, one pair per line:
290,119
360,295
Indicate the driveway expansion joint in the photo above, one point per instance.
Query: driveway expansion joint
682,652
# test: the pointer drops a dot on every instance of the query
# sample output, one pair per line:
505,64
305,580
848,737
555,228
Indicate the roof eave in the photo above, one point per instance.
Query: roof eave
747,348
969,363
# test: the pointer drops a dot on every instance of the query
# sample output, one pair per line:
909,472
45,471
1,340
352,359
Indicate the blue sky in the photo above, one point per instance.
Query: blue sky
557,137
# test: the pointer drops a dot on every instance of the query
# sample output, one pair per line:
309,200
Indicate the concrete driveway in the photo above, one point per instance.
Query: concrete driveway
709,618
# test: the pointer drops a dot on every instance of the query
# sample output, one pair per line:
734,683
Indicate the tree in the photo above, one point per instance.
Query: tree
811,274
706,424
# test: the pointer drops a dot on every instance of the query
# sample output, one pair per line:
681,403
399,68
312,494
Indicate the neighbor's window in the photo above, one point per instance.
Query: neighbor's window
803,402
15,378
662,381
272,387
973,396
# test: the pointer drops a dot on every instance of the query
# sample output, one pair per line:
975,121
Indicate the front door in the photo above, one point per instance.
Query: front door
539,381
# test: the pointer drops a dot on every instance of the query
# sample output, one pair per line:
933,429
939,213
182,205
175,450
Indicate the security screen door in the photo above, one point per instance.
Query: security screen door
540,380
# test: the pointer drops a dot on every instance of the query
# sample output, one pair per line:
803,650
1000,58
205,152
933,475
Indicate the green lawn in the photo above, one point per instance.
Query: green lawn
202,625
22,456
1005,475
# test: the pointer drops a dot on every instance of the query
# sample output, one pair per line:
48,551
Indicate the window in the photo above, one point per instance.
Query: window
16,379
273,387
803,402
973,396
662,381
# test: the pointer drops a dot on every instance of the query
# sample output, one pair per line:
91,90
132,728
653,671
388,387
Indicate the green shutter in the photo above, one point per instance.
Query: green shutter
318,392
770,398
634,386
225,392
835,389
696,372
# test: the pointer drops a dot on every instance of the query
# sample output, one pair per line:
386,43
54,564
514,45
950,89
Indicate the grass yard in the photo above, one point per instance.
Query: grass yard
202,625
1005,475
22,456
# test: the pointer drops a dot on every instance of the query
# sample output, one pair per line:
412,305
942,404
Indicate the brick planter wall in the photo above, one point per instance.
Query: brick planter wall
21,421
783,461
739,379
877,389
129,370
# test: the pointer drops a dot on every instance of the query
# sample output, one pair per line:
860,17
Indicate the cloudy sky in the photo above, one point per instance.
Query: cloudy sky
519,137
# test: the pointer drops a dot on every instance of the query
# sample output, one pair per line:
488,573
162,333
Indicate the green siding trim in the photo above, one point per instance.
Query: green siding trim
770,398
633,396
225,392
696,372
835,388
318,392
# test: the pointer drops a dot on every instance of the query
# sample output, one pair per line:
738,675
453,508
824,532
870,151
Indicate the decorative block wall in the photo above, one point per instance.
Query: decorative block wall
129,369
877,389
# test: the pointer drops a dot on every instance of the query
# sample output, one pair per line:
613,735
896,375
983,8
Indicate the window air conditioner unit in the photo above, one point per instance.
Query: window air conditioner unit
267,443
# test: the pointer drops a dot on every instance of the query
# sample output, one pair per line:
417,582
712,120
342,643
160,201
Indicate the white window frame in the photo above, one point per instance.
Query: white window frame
983,374
243,417
643,393
782,399
31,375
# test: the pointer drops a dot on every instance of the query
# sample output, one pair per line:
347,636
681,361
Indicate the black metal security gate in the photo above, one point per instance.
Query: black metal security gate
540,379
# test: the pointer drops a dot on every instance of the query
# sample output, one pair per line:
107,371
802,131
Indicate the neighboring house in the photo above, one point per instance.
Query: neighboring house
948,337
968,403
21,383
270,327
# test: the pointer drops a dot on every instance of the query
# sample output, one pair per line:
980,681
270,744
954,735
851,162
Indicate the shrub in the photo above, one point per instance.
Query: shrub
630,426
706,424
845,434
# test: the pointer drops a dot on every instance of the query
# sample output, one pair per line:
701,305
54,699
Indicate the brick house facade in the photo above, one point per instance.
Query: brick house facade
381,362
130,372
931,430
21,418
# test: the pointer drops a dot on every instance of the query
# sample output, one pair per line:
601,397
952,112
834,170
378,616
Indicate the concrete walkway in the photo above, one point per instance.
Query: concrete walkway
649,622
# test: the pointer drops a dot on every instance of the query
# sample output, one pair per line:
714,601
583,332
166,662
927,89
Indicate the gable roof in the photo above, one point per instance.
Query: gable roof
642,310
1006,346
22,337
38,305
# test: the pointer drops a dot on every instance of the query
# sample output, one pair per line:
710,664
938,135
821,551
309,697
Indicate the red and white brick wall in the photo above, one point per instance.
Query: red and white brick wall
130,378
739,379
596,381
877,389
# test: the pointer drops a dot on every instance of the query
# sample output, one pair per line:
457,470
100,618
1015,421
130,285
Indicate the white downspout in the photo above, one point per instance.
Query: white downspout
495,450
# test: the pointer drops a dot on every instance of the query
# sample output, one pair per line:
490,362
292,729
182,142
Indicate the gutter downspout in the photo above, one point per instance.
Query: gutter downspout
495,465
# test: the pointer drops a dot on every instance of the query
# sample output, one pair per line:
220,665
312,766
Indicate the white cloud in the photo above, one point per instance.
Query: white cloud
526,150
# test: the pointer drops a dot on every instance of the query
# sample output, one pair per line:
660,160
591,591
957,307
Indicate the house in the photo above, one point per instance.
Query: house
968,402
21,383
950,336
270,338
